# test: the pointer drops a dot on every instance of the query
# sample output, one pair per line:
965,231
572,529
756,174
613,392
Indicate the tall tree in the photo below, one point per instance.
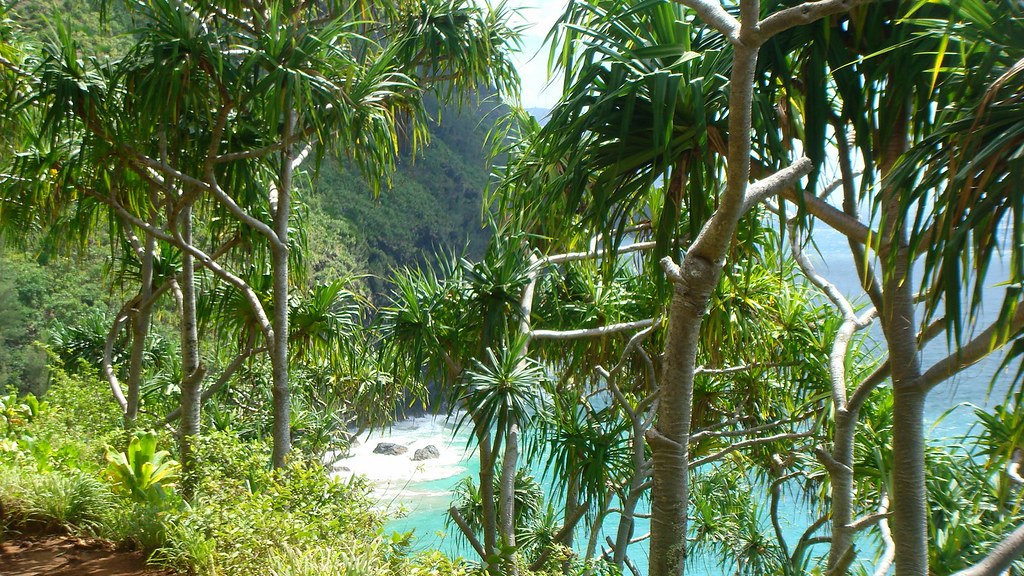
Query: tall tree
228,101
924,67
602,64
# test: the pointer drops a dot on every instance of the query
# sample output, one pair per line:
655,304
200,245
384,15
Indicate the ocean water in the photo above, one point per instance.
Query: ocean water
419,493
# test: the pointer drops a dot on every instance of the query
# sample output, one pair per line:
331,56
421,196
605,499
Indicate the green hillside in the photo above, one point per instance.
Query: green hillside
433,204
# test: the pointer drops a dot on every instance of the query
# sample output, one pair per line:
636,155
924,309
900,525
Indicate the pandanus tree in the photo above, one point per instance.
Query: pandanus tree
754,389
462,329
640,99
219,105
906,90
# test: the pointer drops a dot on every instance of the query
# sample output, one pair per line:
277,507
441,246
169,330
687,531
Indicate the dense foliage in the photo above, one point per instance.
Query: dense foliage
217,217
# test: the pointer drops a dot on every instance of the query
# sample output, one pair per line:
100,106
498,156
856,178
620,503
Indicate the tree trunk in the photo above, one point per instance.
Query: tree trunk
487,509
191,370
909,503
670,436
508,485
281,209
693,284
279,358
627,524
507,508
572,503
140,331
841,476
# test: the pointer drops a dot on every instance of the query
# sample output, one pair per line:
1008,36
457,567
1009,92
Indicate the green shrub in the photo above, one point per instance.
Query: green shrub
301,509
47,501
141,525
142,472
328,562
187,548
82,417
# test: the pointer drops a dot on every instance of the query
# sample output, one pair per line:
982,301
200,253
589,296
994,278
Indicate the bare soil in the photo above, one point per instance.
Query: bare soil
70,556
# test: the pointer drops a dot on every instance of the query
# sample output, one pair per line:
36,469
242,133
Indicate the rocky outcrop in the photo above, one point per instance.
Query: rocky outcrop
428,452
390,449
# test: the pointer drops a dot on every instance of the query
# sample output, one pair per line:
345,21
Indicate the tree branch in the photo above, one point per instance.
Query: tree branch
835,218
830,290
208,263
467,532
222,380
672,270
805,13
733,369
715,16
108,353
591,332
576,256
890,546
874,380
569,525
1000,558
869,520
806,539
979,347
701,435
746,444
776,183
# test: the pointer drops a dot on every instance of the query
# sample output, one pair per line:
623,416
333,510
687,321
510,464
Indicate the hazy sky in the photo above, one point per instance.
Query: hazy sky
539,15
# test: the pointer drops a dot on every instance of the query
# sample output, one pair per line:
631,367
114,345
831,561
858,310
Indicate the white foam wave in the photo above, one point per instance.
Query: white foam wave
399,473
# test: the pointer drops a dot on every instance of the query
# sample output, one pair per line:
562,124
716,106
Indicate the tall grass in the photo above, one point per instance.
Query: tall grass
54,501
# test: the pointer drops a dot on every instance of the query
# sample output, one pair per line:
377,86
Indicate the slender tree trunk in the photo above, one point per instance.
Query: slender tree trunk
670,436
693,283
909,504
909,501
191,370
108,357
507,508
841,477
279,263
627,524
490,520
508,485
572,503
140,331
279,358
595,537
637,485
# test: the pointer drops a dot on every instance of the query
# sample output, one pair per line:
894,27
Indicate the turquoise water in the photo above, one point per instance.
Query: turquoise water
421,492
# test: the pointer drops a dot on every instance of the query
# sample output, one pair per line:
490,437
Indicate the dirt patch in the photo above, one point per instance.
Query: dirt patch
71,556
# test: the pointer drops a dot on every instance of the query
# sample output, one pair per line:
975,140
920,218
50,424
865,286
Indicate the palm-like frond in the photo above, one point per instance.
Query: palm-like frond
963,179
503,389
644,102
585,447
322,322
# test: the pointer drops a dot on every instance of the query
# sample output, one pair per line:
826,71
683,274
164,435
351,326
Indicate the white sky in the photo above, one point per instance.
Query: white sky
539,15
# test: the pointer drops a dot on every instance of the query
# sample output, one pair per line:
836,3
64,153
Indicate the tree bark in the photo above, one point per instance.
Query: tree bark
669,437
572,504
191,369
1000,558
507,507
279,263
487,508
909,500
693,283
141,316
909,503
841,476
